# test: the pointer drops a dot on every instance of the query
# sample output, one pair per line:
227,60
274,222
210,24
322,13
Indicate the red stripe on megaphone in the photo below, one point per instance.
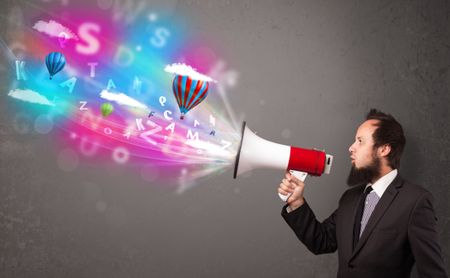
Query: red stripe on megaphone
310,161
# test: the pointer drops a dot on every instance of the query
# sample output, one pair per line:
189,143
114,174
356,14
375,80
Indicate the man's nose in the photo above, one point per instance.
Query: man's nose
351,149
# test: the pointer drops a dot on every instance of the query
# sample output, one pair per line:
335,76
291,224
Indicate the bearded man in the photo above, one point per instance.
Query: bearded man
383,224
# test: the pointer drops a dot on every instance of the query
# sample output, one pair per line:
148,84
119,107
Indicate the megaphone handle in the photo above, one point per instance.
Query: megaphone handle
299,175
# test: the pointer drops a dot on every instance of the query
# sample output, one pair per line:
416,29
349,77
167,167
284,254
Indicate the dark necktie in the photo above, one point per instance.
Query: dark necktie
359,214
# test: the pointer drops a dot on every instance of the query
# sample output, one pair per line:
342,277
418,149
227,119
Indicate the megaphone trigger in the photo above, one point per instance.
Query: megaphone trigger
299,175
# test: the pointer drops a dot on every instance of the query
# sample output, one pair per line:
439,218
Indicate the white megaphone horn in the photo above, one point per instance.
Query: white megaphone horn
255,152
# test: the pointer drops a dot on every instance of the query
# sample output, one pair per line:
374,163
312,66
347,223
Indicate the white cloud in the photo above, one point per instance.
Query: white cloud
122,99
182,69
30,96
54,29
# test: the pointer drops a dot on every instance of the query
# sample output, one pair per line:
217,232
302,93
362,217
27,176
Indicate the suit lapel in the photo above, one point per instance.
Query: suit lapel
384,203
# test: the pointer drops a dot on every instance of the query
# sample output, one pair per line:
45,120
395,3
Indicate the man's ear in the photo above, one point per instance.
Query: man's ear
384,150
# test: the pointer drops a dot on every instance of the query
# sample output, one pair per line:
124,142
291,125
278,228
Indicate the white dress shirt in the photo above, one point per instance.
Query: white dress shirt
382,183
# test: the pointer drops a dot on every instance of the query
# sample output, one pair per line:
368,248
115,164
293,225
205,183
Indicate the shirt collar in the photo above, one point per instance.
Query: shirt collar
382,183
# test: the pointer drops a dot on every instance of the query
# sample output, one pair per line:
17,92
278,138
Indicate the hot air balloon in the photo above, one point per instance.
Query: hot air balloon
55,62
189,92
106,109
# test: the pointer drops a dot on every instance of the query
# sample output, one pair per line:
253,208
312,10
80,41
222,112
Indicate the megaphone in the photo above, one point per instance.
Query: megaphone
255,152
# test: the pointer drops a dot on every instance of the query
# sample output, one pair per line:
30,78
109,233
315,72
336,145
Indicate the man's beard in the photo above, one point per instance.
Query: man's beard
364,175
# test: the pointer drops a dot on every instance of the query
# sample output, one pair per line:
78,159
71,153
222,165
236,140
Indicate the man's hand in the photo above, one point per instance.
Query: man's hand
290,184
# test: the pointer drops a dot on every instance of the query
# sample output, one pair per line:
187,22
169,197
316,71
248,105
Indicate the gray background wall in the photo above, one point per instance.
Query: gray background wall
330,61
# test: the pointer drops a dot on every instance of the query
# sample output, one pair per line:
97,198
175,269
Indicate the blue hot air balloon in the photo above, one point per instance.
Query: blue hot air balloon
55,62
189,92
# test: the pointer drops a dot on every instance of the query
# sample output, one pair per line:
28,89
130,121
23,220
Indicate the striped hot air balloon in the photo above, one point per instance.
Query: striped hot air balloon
189,92
55,62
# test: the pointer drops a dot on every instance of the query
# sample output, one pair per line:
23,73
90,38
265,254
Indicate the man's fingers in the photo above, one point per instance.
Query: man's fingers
291,177
286,182
288,175
292,183
297,182
286,188
281,191
295,179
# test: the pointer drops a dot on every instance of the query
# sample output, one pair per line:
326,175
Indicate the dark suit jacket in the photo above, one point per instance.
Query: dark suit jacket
401,231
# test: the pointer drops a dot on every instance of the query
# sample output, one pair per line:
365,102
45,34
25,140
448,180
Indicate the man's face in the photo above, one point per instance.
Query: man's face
365,160
362,151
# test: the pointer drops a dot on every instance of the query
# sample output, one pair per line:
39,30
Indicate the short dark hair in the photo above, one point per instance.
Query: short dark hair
388,132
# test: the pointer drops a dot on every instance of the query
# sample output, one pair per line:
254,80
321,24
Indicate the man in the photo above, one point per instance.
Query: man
383,224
